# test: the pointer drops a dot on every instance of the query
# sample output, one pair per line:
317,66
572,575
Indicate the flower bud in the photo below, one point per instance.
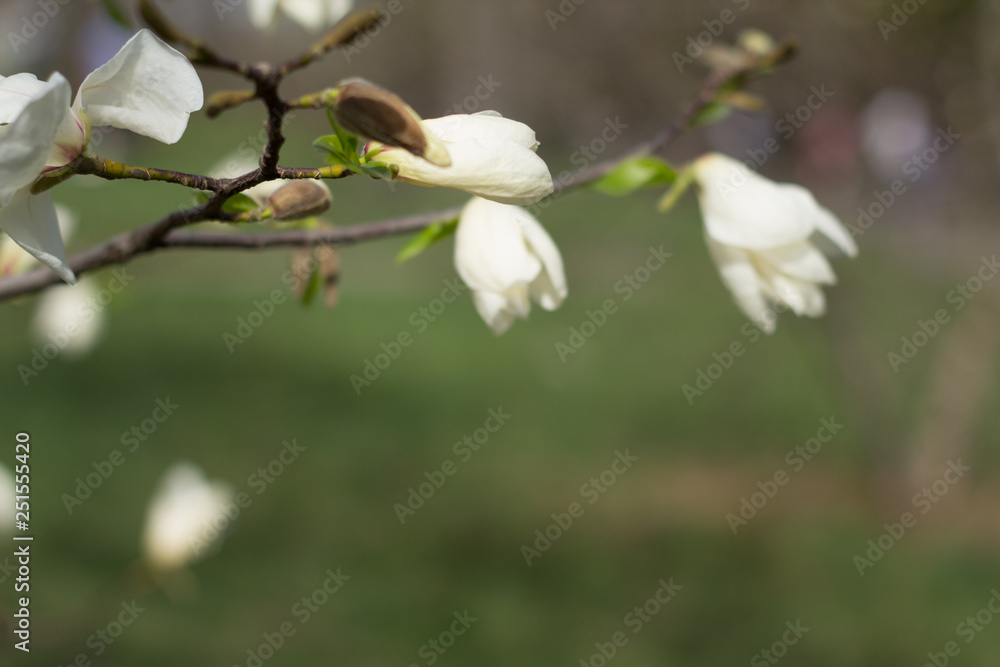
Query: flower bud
377,114
300,199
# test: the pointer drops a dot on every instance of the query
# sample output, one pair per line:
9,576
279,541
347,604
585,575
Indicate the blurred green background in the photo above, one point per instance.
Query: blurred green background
666,517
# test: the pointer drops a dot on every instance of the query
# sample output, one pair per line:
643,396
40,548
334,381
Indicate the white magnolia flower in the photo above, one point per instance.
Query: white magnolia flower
6,500
507,258
491,157
311,14
70,317
147,87
762,236
185,516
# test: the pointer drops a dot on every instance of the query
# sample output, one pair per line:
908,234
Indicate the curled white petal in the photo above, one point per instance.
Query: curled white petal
147,87
32,223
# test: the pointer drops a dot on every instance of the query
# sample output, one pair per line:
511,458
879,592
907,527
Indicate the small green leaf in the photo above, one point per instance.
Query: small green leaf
240,203
348,141
633,174
677,190
114,10
425,239
711,113
312,287
381,170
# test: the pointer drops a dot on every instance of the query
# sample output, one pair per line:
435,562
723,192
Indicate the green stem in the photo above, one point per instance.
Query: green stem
112,171
320,100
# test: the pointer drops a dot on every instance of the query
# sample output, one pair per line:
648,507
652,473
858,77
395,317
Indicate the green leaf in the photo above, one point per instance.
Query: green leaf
633,174
381,170
114,10
312,287
711,113
240,203
677,190
425,239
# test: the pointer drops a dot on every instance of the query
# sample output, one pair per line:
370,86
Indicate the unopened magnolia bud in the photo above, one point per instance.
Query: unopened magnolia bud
375,113
299,199
756,42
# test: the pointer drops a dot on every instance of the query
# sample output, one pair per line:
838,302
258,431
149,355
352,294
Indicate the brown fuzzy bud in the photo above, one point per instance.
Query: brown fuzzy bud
300,199
378,114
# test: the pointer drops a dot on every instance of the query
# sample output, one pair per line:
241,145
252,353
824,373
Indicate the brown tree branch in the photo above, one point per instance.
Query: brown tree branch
164,233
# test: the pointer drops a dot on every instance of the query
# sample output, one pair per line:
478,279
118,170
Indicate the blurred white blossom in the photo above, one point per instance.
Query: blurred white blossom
6,500
71,317
311,14
185,518
763,238
507,258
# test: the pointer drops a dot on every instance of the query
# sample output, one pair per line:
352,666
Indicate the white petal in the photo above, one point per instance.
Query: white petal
64,314
745,210
337,9
490,249
829,226
148,88
262,12
26,144
310,14
804,298
741,278
494,310
31,221
15,94
549,288
799,260
496,169
462,127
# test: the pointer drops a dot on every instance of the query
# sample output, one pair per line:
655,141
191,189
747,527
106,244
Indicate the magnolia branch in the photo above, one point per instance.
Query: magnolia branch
165,233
